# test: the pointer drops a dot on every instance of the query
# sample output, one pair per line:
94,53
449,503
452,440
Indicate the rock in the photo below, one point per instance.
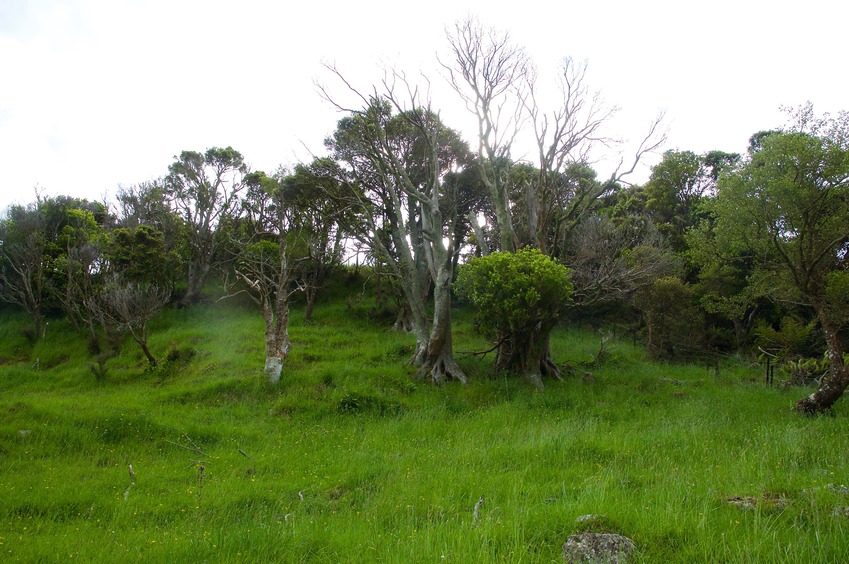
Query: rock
589,517
598,548
767,502
840,512
841,489
743,502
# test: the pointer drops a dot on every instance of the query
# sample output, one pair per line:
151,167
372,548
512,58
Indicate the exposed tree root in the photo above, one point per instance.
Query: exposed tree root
830,390
442,368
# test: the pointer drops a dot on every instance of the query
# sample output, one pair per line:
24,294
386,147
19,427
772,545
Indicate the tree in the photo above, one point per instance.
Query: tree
565,189
147,203
320,220
673,323
78,267
129,307
728,282
678,184
140,256
396,151
611,260
497,83
204,189
262,264
24,275
520,297
489,73
48,252
788,206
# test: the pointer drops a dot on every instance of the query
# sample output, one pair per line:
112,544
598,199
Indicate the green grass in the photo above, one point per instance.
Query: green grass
349,459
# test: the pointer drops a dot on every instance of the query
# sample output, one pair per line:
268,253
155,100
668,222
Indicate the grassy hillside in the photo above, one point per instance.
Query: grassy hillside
348,459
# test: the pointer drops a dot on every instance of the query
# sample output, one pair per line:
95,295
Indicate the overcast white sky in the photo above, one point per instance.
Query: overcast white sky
100,93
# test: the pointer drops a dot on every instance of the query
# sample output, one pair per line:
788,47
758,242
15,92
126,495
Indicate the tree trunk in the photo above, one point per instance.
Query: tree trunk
276,339
38,321
404,318
197,277
146,351
310,296
439,362
529,355
834,383
273,369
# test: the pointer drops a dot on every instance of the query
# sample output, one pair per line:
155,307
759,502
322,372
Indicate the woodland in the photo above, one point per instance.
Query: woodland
716,252
718,258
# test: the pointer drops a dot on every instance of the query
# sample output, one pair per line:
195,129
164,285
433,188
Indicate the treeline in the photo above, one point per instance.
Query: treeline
716,252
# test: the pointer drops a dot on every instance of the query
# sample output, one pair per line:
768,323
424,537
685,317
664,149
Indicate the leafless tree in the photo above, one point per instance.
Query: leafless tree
496,81
490,73
611,262
127,307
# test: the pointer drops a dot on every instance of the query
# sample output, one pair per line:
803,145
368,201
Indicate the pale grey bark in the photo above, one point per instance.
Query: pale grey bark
266,276
489,73
412,207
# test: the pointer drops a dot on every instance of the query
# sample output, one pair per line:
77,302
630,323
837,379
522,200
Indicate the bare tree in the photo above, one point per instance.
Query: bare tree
490,73
611,262
497,83
128,307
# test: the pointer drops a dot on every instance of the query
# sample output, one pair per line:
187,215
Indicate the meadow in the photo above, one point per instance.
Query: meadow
349,459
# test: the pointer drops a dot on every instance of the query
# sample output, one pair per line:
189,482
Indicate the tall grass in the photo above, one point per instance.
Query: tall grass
349,459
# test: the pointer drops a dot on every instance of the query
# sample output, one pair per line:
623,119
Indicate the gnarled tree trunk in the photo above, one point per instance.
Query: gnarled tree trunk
835,382
528,354
438,362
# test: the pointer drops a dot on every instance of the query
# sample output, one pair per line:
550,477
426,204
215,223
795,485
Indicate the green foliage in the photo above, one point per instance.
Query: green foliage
803,371
673,323
789,207
514,291
140,255
678,185
792,339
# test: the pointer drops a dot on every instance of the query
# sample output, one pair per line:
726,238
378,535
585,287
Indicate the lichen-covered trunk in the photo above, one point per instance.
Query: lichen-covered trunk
835,382
420,328
276,315
276,339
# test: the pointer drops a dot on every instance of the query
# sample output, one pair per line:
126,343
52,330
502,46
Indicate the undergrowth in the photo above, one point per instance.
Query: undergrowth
350,459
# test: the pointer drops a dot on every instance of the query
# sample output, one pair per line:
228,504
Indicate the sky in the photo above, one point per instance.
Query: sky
97,94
